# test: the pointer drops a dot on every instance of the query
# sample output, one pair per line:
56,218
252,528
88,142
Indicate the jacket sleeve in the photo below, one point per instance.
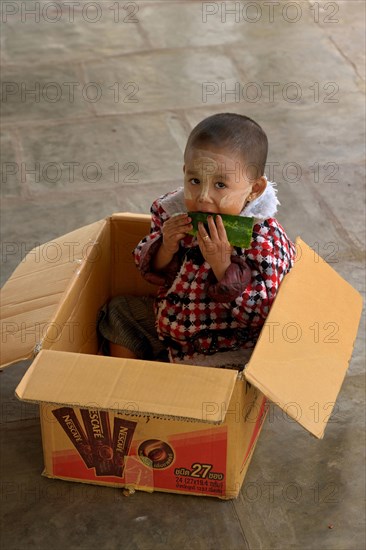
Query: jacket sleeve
148,247
232,285
270,256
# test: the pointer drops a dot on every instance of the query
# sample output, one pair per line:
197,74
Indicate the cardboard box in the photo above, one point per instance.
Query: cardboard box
160,426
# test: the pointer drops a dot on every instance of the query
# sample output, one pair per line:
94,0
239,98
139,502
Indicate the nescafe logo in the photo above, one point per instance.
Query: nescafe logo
156,453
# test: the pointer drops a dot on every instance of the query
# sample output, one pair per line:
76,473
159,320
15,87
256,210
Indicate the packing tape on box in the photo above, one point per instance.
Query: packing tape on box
137,474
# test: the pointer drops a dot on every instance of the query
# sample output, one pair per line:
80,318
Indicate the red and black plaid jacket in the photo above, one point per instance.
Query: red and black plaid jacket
195,313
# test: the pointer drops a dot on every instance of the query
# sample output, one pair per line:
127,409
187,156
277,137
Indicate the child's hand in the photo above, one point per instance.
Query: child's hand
175,229
215,246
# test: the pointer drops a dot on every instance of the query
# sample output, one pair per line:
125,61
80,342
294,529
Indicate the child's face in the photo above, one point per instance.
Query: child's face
216,181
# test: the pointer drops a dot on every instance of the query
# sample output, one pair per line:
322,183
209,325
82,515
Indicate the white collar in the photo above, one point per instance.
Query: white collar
261,208
265,206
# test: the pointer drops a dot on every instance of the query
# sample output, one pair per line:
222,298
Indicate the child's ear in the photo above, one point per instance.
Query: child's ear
258,188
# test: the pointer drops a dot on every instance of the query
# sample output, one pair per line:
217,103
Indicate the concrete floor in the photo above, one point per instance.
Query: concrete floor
157,56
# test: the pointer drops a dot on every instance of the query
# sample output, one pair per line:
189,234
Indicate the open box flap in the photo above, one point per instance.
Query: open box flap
33,294
127,385
304,348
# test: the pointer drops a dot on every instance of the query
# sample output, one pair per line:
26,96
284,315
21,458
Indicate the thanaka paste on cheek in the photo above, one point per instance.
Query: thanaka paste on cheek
233,198
188,198
233,202
187,193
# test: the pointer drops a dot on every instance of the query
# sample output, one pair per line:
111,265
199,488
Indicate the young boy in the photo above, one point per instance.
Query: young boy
213,298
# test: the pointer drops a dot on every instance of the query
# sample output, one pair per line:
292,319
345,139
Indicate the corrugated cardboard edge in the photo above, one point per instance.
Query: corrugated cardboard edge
31,351
260,363
156,389
74,280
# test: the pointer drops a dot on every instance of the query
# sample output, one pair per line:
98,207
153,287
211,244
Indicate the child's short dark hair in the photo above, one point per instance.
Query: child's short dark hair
239,133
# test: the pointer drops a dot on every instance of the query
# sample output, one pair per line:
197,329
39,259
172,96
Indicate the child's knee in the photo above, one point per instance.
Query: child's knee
120,351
